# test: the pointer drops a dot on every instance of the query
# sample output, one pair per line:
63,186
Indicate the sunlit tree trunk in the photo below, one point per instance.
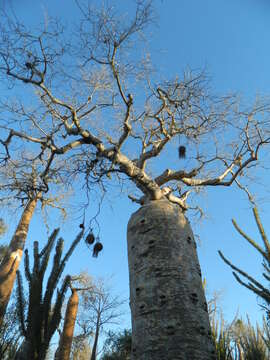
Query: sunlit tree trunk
169,311
13,257
63,352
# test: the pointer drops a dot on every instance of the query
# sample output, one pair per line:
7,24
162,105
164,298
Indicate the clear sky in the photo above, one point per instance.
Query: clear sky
231,39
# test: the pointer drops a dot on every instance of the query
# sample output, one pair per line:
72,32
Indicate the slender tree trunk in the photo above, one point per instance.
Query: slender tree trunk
64,348
25,351
13,257
94,349
169,311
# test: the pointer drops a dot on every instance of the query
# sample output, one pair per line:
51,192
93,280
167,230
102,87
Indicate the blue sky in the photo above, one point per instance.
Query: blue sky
230,38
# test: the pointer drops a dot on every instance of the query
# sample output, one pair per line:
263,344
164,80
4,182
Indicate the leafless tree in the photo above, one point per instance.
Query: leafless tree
10,336
98,114
99,308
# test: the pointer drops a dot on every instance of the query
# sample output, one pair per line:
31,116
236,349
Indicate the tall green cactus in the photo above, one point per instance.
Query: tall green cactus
249,282
42,308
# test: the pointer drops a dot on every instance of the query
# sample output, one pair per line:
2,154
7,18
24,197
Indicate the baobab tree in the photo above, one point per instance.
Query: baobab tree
11,261
19,188
99,114
67,335
64,348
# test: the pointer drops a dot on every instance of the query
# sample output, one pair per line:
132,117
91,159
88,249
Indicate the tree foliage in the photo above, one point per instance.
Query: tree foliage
99,111
10,336
99,308
117,346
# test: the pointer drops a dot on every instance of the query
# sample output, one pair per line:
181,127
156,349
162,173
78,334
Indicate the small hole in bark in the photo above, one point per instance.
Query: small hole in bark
189,239
158,272
142,306
151,242
145,254
142,221
170,330
194,298
209,333
205,307
132,247
145,231
201,330
162,300
138,290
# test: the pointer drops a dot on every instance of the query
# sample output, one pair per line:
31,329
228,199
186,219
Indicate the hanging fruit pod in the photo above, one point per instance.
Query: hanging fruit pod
90,238
182,152
97,248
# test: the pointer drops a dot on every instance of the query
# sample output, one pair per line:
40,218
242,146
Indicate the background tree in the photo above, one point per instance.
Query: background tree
13,254
117,346
9,329
10,336
43,312
19,186
3,227
99,309
105,115
65,342
67,335
81,349
239,339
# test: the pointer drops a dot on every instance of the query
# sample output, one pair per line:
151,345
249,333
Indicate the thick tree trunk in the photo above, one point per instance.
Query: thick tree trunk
13,257
169,311
63,351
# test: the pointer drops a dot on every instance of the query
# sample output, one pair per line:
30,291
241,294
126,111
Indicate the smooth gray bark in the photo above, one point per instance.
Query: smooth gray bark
169,311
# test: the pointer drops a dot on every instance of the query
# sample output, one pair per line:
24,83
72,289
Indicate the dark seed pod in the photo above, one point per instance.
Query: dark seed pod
182,152
97,248
28,65
81,226
90,238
